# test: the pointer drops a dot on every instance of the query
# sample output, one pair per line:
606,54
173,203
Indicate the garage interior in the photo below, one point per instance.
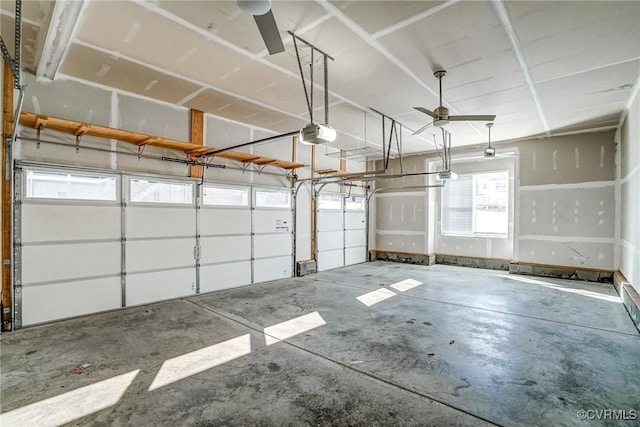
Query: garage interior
377,213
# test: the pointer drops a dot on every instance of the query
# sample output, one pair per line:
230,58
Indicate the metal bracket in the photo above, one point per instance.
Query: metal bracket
79,134
141,150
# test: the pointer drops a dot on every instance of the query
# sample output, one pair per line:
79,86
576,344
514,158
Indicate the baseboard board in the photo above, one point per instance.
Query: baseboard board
561,272
402,257
473,262
629,296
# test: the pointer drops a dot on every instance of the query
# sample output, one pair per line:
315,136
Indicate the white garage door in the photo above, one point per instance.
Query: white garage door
70,243
341,229
330,231
225,237
160,250
92,241
355,231
272,230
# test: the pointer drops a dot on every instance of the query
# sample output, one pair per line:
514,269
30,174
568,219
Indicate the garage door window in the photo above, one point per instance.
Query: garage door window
144,191
273,199
330,201
354,203
74,186
225,196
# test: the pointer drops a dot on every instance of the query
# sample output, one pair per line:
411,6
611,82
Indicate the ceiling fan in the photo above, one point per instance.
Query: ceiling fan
441,115
262,14
490,152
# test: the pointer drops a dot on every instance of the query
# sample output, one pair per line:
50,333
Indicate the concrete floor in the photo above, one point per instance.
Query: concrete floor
467,347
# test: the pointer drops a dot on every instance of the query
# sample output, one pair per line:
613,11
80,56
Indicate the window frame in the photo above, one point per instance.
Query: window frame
271,190
55,171
132,178
474,209
247,189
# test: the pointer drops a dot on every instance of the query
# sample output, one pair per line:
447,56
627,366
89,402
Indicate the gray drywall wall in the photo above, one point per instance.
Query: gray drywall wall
629,240
163,120
567,159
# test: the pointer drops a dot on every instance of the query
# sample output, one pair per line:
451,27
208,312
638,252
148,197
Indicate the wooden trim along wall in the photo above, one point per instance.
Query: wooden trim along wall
196,136
7,128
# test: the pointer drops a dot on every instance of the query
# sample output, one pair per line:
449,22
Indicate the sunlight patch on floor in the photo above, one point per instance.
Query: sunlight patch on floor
282,331
184,366
376,296
72,405
405,285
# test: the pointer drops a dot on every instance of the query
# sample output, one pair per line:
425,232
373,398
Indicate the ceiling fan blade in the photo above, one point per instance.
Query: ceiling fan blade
423,128
487,118
425,111
270,34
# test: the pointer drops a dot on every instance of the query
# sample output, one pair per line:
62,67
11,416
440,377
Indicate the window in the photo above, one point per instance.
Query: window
60,185
330,201
225,196
476,204
354,203
273,199
145,191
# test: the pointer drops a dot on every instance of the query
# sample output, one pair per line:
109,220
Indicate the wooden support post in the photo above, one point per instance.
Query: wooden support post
196,136
343,168
7,128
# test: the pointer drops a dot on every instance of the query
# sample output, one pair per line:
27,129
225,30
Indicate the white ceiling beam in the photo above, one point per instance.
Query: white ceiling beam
501,11
62,26
627,107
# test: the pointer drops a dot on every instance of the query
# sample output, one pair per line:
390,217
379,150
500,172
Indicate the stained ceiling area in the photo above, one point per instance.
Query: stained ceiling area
541,67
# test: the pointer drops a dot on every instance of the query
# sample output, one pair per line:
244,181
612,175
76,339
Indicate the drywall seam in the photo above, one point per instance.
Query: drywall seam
119,55
210,36
630,175
191,95
588,70
378,47
180,108
572,186
399,232
569,239
25,20
627,107
503,17
415,18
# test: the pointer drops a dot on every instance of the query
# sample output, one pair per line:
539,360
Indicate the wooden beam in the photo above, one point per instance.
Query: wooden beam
7,128
196,137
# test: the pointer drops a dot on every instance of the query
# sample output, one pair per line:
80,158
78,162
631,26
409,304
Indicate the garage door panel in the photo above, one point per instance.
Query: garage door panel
162,285
160,221
355,238
143,255
272,269
355,220
225,221
269,245
225,248
355,255
330,240
224,276
329,221
46,263
271,221
330,259
49,223
44,303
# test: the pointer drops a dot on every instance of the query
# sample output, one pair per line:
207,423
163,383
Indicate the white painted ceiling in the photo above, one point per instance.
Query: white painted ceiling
541,67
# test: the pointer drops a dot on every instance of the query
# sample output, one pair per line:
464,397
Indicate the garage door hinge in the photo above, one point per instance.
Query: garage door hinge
6,262
196,252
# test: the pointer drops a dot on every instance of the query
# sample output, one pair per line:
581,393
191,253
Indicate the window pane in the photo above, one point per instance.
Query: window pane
330,201
457,200
58,185
273,199
225,196
354,203
161,192
492,202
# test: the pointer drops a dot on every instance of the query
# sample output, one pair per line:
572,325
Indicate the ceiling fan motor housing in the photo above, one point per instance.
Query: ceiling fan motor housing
441,116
